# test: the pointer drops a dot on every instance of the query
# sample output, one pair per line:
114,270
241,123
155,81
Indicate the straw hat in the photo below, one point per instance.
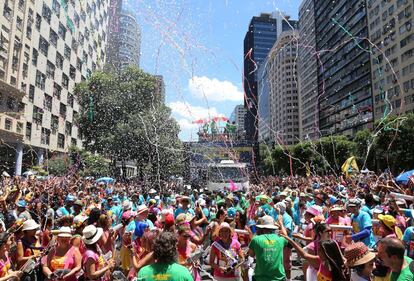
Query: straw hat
91,234
141,208
267,222
65,231
30,225
357,254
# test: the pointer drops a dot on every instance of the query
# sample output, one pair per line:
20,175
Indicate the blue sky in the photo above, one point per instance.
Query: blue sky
197,45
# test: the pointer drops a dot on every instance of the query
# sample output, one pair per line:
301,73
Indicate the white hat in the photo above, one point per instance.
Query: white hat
64,231
267,222
152,191
5,174
142,208
127,205
91,234
30,225
79,219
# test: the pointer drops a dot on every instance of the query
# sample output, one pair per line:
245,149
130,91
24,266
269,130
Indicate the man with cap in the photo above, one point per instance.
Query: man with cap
361,224
388,227
142,216
22,213
267,247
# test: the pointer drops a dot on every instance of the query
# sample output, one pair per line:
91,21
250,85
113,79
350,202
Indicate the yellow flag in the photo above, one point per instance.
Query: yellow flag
308,170
350,166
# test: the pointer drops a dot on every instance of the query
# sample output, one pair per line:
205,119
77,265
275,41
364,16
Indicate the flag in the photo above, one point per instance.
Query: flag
350,166
308,170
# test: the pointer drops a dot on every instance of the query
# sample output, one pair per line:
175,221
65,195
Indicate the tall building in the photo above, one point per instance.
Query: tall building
238,116
284,105
124,46
307,73
258,41
390,29
344,71
45,49
263,86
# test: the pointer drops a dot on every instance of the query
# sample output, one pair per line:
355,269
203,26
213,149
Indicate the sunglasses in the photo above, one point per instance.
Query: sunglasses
186,236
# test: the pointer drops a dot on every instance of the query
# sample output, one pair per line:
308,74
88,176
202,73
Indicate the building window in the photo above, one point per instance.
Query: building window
61,141
62,110
65,81
71,99
19,23
50,70
62,31
72,72
54,124
43,46
31,93
45,137
19,127
46,13
68,128
28,130
7,12
56,7
40,80
38,22
53,37
8,124
59,60
35,54
73,142
74,45
67,52
37,115
47,102
57,90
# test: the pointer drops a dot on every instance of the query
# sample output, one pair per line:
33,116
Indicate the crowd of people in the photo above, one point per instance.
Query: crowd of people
334,228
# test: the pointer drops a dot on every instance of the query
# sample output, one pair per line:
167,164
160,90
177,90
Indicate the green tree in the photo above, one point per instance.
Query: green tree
123,118
58,166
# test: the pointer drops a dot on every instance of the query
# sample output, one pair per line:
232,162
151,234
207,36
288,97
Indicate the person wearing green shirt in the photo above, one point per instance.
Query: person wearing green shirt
165,267
391,252
267,247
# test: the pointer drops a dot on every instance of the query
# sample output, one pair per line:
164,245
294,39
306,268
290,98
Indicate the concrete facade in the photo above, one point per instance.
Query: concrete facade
46,48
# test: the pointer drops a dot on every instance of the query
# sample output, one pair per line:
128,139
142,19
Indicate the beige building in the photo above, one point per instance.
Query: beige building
45,49
391,28
308,73
283,89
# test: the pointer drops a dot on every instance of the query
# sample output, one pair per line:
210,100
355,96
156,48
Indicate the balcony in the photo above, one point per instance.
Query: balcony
11,129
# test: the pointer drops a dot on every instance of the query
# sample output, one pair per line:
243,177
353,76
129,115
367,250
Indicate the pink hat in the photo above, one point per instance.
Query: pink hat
128,214
314,210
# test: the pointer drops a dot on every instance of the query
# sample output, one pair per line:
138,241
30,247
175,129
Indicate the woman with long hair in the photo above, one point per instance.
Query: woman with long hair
65,260
93,262
5,265
143,252
329,260
185,248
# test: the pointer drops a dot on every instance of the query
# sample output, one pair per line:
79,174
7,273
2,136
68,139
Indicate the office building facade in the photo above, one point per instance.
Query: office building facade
307,73
124,46
392,61
263,86
344,67
284,105
238,116
45,50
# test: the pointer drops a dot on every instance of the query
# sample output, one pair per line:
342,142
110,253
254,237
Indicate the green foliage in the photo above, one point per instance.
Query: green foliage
122,118
58,166
388,147
39,170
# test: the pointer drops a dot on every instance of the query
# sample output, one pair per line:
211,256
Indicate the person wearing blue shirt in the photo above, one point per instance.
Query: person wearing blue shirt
184,209
408,240
361,224
67,209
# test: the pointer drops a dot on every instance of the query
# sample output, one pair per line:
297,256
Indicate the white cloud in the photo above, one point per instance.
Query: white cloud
193,112
186,124
214,89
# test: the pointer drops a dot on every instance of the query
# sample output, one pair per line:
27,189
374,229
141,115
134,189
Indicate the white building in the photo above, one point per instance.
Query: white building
282,73
238,116
45,50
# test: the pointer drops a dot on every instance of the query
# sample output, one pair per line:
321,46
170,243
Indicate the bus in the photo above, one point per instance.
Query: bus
220,175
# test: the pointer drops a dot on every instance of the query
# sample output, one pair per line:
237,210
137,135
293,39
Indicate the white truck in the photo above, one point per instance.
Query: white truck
221,175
